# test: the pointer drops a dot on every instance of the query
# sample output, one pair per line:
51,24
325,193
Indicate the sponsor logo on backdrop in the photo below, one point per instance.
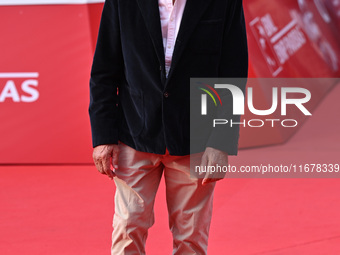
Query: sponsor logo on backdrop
277,46
307,19
19,87
239,103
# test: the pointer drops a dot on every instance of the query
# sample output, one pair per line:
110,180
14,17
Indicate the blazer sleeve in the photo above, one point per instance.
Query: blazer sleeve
106,73
233,64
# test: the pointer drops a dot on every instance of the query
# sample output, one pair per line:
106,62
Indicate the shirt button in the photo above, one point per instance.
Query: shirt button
166,94
169,47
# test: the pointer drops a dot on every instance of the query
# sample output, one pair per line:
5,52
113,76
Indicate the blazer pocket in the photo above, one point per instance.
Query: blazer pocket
133,109
210,21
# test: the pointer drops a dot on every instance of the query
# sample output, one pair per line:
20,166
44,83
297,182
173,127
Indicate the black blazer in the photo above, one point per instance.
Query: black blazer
151,112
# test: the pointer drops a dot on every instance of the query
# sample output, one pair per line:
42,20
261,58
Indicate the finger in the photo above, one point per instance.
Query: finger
113,168
107,167
210,180
115,159
99,167
203,164
208,174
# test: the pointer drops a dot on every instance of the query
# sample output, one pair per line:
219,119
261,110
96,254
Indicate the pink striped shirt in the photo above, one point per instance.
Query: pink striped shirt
171,17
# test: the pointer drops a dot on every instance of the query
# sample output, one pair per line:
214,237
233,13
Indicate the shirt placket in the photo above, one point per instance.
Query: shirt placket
171,35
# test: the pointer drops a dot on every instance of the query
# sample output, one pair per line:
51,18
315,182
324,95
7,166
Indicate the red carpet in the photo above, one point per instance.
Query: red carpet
68,209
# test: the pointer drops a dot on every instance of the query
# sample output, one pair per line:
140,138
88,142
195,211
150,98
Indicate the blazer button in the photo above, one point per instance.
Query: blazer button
166,94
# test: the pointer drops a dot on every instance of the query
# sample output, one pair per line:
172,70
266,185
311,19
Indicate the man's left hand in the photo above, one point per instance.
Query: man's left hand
213,157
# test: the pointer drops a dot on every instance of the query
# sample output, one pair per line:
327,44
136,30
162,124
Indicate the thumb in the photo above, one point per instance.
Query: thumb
114,155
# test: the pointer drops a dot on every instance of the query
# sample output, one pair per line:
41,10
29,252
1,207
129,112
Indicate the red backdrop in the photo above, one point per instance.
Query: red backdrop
46,53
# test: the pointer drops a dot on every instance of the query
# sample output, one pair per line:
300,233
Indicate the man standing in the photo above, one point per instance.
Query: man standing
146,52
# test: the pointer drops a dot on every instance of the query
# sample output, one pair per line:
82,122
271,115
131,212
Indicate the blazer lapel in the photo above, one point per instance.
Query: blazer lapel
150,13
194,9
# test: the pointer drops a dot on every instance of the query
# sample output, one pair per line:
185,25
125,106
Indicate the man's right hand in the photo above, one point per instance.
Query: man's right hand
105,158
